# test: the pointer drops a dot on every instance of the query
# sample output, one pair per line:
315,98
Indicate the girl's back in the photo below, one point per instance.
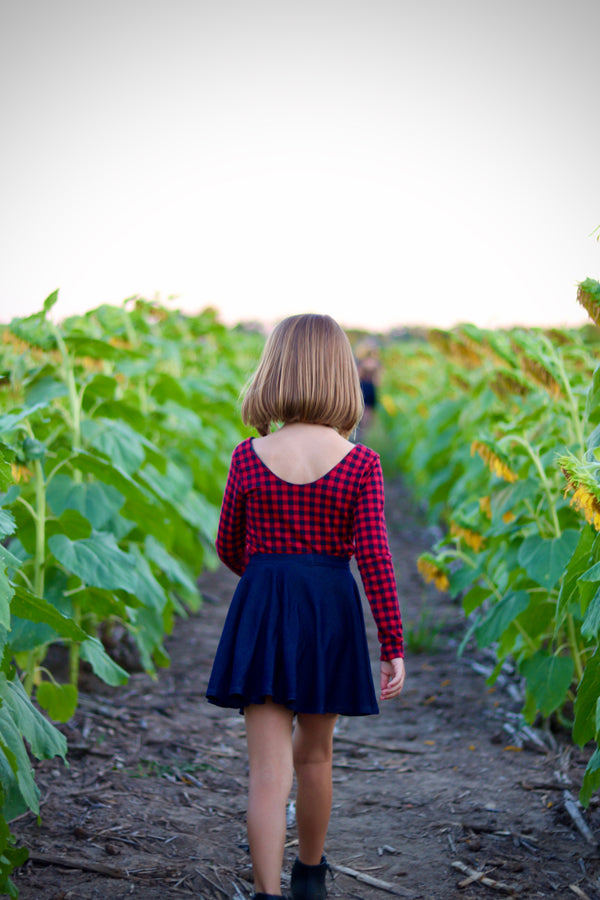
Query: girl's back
301,453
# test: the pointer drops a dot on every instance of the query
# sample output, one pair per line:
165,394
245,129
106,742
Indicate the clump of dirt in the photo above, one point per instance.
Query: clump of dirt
446,794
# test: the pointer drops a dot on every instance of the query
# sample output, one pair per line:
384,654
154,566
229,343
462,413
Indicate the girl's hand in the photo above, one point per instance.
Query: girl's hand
392,678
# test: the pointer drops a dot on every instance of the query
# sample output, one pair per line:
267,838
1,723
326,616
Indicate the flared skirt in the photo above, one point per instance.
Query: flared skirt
295,632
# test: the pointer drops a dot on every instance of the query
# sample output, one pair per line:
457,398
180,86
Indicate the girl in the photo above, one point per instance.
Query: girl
298,503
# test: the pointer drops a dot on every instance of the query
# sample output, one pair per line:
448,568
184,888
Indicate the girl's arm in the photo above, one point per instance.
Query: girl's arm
375,563
231,534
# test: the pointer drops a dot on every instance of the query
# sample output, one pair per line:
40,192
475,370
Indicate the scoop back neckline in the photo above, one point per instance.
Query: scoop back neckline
302,483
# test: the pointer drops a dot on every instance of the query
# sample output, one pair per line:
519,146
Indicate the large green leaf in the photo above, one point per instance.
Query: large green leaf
44,390
173,569
591,779
97,560
548,680
71,523
500,616
545,560
142,505
9,421
577,565
7,523
36,609
44,740
96,501
7,561
588,692
590,627
59,700
20,721
117,440
104,667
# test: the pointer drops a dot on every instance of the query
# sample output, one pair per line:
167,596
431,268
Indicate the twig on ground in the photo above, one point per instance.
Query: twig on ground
69,862
385,748
577,890
375,882
482,878
216,887
572,808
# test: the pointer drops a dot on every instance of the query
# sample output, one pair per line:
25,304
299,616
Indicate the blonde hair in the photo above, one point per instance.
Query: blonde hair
306,373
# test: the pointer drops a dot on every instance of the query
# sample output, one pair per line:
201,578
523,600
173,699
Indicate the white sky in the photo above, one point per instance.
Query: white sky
385,161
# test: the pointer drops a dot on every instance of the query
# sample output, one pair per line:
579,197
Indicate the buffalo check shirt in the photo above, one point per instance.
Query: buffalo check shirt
341,514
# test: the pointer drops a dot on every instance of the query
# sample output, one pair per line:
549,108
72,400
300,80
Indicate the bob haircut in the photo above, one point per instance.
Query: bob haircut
306,373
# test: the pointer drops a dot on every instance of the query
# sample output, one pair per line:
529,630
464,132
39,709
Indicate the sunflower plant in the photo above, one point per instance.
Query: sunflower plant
505,453
116,430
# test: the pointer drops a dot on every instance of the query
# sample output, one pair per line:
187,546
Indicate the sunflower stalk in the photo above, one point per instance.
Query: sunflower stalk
39,517
571,402
75,402
523,442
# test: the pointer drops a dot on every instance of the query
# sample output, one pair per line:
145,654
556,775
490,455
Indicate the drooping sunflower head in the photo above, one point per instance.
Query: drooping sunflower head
507,383
581,480
472,538
496,461
433,570
588,295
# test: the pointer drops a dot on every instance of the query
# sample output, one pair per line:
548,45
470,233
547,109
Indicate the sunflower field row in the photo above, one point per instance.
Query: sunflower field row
116,430
499,432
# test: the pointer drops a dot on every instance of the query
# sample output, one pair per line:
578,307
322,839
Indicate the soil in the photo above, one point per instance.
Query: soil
445,794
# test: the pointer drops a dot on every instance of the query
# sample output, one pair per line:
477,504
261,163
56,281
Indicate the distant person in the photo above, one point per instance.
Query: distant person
369,366
299,502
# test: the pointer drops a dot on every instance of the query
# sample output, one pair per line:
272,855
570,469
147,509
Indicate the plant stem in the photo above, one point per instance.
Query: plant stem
543,478
574,646
39,515
572,403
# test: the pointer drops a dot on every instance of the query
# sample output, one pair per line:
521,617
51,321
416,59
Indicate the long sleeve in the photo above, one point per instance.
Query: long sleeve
231,534
375,562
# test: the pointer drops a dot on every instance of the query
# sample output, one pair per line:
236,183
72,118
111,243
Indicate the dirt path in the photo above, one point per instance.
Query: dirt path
152,805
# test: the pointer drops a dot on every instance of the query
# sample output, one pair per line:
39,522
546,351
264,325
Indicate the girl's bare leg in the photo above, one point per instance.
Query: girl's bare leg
313,752
269,737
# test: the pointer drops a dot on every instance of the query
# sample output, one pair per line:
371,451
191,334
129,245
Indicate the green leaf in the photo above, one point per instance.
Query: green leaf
474,598
590,627
7,523
71,523
6,476
117,440
591,779
588,692
577,565
591,574
142,505
96,501
50,301
7,561
20,721
592,403
97,560
45,390
545,560
501,615
59,700
9,421
548,680
36,609
45,741
104,667
460,580
172,568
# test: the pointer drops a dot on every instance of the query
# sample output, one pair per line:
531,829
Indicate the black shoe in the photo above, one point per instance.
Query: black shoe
308,882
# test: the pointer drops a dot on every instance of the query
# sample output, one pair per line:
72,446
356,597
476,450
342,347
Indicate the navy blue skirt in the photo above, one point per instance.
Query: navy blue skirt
295,632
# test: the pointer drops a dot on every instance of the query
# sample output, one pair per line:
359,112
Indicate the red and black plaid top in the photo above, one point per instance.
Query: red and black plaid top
340,514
